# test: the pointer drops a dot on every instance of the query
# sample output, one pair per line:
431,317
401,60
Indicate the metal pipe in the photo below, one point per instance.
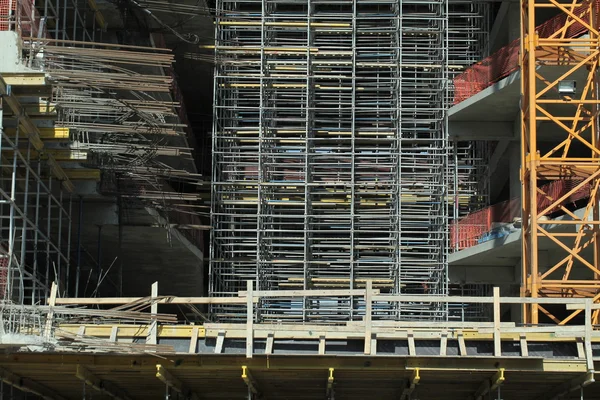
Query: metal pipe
79,231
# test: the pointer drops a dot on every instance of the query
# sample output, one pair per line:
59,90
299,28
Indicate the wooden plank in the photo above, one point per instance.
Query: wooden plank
45,133
24,78
412,351
580,348
220,342
113,333
308,293
152,331
497,337
322,345
170,300
429,324
368,316
50,316
249,321
589,358
581,306
461,343
270,340
444,343
194,341
405,298
524,348
373,344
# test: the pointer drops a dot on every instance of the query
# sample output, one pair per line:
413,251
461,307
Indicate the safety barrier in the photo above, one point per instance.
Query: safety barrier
20,16
506,60
470,230
7,8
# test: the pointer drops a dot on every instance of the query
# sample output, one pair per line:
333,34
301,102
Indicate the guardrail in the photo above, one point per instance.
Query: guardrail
369,328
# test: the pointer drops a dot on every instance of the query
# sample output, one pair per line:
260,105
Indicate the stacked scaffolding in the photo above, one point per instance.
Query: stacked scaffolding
105,112
35,208
329,153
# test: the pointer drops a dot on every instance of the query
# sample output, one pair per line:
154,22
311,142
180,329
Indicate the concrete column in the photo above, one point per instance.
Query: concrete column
514,169
514,21
516,310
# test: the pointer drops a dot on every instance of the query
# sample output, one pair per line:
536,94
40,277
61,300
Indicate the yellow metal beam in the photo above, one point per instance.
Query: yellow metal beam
97,14
82,174
133,331
24,79
55,133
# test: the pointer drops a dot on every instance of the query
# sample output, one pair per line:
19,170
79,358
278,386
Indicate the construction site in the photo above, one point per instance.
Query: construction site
299,199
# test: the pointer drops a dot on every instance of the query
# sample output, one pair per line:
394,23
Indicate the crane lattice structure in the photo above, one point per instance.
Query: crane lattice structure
560,102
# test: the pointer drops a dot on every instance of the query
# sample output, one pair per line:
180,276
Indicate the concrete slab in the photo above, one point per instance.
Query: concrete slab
506,251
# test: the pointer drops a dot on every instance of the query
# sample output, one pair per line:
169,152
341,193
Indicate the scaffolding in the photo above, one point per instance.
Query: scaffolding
35,209
97,112
329,154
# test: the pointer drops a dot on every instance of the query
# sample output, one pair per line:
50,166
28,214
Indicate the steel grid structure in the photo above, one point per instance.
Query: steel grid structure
551,66
330,153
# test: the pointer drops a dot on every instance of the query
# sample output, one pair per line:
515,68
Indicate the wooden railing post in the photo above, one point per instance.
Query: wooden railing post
497,336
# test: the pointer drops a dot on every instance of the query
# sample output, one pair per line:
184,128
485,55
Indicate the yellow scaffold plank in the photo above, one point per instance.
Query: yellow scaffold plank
129,331
97,14
45,133
24,79
83,174
57,154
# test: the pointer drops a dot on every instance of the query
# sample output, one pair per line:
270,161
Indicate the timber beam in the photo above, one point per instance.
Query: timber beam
489,385
28,385
564,389
100,385
24,78
174,383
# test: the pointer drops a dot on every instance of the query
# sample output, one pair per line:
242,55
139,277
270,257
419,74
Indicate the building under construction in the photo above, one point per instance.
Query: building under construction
299,199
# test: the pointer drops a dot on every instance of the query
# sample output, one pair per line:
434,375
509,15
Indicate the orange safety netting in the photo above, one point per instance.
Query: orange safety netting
468,231
7,8
19,15
506,60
